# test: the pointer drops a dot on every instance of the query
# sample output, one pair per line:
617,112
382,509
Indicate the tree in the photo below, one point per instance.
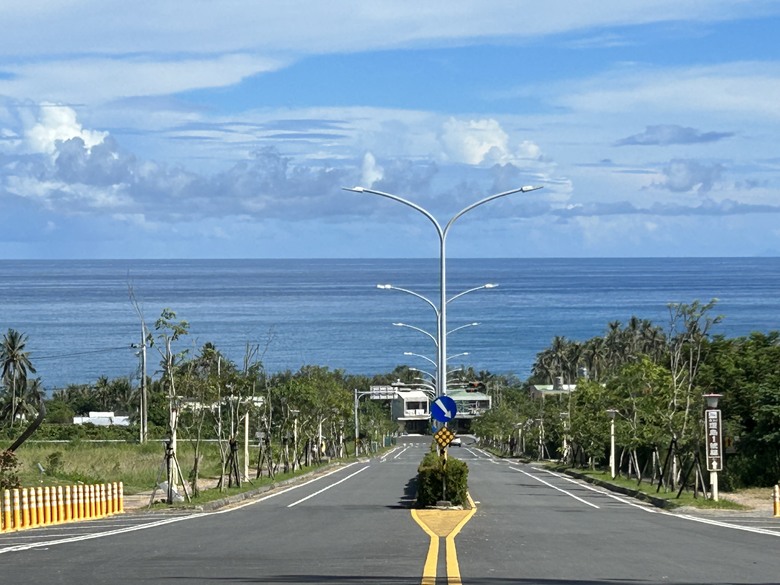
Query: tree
16,366
169,332
689,331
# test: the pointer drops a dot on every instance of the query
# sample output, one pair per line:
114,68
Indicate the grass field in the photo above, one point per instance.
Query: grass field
139,467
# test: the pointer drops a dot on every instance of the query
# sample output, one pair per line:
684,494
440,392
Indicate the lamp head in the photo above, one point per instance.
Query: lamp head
712,400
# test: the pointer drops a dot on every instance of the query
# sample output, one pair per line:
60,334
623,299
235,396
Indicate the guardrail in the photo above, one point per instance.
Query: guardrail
42,506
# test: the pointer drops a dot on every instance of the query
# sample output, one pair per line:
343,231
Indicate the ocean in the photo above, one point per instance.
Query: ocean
81,324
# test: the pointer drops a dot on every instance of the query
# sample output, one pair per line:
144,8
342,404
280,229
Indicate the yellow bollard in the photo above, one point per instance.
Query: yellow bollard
121,490
110,499
60,505
91,498
776,499
32,504
5,523
46,505
17,509
39,504
68,505
25,508
103,500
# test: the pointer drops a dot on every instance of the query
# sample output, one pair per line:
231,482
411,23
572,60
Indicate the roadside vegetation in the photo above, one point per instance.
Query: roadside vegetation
654,379
199,401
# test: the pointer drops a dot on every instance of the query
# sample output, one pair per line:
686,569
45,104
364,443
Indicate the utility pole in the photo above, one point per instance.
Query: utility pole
143,406
144,396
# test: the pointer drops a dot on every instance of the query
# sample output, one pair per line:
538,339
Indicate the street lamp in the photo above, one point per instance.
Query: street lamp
612,412
419,355
425,357
442,233
442,358
431,376
435,341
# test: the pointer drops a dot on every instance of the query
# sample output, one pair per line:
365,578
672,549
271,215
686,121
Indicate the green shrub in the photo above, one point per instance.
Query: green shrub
54,463
430,476
9,467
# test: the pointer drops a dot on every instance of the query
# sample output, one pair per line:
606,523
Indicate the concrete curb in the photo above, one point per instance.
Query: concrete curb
636,494
247,495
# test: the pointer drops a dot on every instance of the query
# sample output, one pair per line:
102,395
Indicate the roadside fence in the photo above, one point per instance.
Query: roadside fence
43,506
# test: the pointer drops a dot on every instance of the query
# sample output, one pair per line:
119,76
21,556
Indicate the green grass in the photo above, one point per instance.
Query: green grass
137,466
686,498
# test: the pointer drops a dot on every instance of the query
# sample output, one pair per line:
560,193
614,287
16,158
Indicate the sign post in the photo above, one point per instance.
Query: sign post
714,441
443,409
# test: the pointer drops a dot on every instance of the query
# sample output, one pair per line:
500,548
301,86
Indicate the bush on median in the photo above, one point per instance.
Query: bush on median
430,475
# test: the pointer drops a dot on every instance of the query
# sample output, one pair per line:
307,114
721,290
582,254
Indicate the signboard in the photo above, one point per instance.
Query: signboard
381,393
714,440
444,436
443,409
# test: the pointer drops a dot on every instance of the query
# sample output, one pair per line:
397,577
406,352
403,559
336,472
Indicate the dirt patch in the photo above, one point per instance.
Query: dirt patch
759,499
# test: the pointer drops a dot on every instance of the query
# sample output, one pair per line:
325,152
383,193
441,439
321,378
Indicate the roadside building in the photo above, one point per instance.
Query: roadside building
411,409
471,404
102,419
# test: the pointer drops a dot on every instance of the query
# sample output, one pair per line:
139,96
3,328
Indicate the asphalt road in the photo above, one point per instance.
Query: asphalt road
355,526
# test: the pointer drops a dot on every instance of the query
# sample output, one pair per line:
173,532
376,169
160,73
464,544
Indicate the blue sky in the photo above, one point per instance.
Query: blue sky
228,129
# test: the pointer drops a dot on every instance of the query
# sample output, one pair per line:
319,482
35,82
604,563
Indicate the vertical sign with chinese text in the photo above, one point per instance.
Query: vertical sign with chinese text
714,440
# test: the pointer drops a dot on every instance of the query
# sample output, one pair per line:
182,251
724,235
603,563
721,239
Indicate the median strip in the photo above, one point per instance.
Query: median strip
443,524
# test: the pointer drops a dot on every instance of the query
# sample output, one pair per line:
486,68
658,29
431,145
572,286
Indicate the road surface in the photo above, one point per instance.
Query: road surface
355,525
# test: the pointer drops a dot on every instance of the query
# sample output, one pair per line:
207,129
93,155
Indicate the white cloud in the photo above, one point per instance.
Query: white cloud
96,80
58,123
476,142
304,26
370,172
690,175
749,88
472,141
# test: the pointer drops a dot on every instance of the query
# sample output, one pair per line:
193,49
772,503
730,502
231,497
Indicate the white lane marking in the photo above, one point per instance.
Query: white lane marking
342,480
390,452
644,508
726,524
401,453
481,454
93,535
654,510
539,479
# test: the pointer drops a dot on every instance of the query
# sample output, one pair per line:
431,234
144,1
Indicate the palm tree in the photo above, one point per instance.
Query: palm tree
16,365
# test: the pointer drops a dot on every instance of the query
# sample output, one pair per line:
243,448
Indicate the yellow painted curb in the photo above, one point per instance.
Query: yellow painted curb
443,524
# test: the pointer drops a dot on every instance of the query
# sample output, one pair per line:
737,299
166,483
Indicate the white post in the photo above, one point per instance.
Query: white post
612,447
246,446
357,430
612,412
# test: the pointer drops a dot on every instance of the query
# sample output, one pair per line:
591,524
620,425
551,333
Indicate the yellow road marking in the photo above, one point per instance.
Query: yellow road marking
442,524
429,570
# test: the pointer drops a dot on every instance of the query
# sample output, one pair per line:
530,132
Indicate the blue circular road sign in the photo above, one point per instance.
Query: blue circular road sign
443,409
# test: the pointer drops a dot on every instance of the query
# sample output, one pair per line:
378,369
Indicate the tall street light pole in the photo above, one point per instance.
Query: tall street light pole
442,233
441,333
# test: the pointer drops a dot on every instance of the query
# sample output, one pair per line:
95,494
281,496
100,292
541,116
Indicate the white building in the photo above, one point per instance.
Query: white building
102,419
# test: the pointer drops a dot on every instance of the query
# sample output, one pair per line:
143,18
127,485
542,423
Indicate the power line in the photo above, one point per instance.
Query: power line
77,353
